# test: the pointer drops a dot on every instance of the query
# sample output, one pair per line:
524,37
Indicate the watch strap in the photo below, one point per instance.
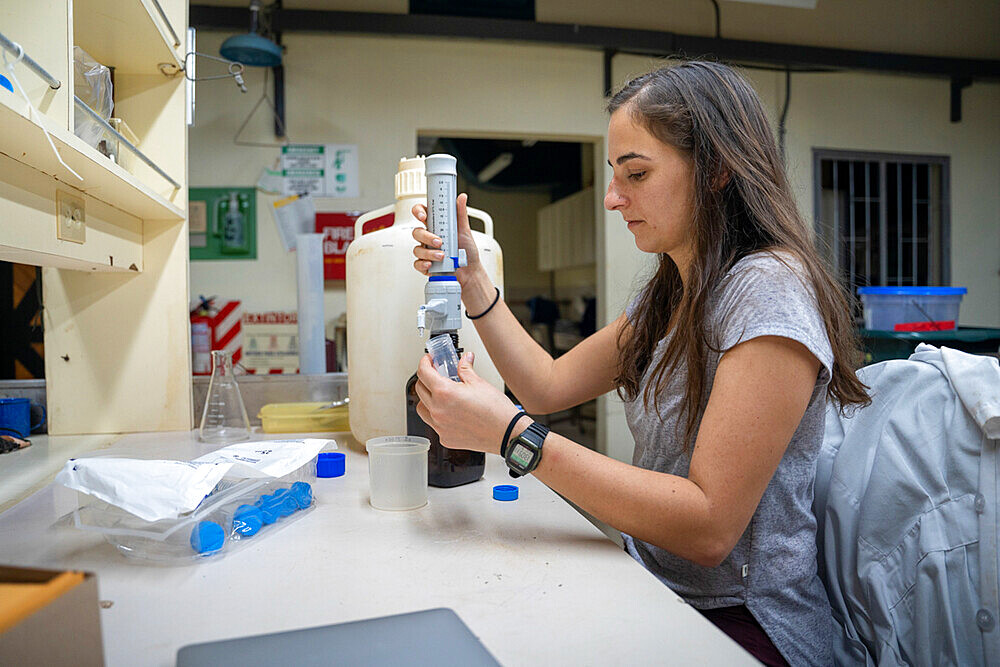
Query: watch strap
506,435
536,434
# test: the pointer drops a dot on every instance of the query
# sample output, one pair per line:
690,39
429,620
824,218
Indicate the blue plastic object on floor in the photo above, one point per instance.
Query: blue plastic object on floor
504,492
302,492
247,520
330,464
207,537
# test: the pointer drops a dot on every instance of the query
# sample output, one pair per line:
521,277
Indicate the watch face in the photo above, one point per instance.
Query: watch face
521,456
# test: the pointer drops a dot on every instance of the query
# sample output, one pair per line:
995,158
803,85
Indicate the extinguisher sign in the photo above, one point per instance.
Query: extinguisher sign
338,232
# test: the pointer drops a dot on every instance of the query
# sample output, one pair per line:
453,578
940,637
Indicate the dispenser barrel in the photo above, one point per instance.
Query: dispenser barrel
442,216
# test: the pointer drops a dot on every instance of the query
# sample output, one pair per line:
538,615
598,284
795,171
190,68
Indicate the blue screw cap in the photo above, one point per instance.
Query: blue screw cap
302,492
283,503
269,508
287,504
330,464
207,537
247,520
504,492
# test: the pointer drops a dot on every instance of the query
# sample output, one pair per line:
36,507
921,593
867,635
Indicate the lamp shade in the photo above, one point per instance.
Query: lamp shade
251,49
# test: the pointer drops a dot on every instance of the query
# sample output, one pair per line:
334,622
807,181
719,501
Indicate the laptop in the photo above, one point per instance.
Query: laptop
430,637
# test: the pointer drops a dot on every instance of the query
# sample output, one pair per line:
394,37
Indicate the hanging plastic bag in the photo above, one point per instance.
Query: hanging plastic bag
92,84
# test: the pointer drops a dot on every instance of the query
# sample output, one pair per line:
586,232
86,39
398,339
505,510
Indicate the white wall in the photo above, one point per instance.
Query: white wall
377,93
911,115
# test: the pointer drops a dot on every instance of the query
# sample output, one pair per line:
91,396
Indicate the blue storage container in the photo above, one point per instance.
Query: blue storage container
911,308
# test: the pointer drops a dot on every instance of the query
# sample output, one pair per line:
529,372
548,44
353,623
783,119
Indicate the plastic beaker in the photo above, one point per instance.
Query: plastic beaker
443,354
224,418
397,471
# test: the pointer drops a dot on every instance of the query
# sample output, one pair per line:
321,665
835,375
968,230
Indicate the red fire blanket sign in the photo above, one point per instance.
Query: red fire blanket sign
338,232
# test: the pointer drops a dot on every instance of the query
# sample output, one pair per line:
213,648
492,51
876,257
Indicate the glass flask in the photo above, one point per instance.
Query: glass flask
224,419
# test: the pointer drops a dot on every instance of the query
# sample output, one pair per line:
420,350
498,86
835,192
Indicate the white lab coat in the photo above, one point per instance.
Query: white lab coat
906,503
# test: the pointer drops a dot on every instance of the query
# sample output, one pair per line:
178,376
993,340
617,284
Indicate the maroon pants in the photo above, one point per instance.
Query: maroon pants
743,628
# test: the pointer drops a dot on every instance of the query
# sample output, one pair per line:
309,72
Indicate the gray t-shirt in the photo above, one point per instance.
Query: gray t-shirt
772,569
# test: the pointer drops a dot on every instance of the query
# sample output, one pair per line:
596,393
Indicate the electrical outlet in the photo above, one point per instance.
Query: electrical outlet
71,220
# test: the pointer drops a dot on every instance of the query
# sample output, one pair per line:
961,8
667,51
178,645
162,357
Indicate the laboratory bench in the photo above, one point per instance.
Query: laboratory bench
533,579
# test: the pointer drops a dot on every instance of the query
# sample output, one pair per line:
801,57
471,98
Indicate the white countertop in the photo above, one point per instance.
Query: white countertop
532,578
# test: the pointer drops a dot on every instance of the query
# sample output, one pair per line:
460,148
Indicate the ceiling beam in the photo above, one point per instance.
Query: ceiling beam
620,40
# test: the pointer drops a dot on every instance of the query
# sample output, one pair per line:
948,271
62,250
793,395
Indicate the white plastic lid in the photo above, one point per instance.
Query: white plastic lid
410,178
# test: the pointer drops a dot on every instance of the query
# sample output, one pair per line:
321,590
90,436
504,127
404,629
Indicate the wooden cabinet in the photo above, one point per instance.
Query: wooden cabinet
117,341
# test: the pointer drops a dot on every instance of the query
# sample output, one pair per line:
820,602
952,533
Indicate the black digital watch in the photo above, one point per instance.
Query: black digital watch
524,452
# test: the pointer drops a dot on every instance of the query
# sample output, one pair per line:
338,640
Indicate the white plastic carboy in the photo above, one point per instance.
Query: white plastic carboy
383,295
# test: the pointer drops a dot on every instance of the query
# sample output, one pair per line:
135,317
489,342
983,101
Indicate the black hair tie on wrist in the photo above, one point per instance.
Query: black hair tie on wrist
510,427
495,300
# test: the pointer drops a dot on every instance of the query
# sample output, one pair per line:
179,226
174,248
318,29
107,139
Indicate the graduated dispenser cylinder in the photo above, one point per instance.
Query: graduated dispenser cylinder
383,294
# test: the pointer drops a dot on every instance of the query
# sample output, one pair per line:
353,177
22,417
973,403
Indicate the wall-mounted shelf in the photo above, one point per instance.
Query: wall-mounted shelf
115,279
22,139
129,35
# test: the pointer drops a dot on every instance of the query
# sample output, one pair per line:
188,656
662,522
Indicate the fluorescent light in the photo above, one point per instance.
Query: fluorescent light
499,163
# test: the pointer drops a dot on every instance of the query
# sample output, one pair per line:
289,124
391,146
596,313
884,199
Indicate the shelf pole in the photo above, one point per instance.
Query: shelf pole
142,156
17,49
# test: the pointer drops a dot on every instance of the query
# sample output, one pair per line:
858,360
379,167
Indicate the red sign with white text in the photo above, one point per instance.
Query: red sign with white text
338,232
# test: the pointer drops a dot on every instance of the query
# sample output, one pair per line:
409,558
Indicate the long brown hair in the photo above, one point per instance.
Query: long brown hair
712,115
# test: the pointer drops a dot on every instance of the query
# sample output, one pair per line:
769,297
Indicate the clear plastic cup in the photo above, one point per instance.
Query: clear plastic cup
444,356
397,471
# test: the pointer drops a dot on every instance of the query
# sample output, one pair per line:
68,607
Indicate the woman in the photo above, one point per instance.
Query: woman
725,361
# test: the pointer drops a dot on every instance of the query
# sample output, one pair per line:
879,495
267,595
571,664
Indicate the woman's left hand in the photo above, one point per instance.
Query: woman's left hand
471,414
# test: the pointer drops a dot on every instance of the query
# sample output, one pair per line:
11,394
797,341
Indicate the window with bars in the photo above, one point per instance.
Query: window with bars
883,219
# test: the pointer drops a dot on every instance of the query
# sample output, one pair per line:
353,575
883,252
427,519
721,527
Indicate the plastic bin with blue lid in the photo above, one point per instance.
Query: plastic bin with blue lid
911,308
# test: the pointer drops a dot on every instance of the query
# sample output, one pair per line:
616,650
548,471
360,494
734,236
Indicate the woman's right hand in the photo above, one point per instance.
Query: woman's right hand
429,249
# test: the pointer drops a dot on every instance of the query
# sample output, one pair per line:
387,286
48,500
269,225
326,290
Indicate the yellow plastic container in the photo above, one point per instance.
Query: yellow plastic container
303,418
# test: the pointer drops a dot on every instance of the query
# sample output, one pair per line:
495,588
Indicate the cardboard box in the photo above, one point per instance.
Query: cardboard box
48,617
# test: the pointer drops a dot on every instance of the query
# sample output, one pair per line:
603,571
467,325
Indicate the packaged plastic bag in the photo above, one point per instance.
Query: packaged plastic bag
92,84
181,512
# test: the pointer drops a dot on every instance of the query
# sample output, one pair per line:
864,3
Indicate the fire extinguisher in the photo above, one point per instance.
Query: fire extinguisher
201,345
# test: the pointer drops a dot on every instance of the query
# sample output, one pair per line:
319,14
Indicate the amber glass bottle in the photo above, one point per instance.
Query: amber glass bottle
445,467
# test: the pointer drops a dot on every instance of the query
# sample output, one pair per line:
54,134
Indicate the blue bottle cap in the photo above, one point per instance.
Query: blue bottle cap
330,464
269,508
504,492
247,520
302,492
286,503
207,537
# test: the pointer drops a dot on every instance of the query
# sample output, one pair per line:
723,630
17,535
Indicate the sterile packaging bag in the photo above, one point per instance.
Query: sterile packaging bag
180,512
92,84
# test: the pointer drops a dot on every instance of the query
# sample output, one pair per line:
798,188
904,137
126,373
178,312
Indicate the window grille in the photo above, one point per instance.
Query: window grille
883,219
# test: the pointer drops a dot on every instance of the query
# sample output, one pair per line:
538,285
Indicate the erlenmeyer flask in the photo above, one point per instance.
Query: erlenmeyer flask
224,419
